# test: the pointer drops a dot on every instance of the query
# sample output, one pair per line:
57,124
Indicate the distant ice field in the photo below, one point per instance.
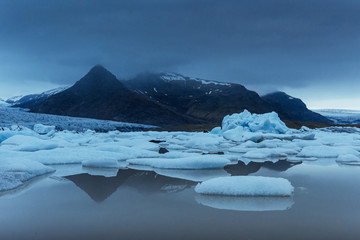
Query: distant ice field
10,116
341,116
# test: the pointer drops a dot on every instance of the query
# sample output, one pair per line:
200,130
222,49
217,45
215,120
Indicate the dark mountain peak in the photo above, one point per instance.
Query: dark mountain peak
282,97
99,72
98,69
279,94
291,108
99,94
98,78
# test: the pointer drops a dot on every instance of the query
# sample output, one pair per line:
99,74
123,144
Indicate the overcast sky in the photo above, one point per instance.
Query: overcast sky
310,49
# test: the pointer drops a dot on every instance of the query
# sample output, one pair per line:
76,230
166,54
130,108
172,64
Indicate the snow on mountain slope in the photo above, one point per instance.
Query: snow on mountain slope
3,102
14,99
341,116
30,99
179,77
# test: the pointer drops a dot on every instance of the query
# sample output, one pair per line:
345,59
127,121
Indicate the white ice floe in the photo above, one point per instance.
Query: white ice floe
6,133
14,173
348,158
43,129
63,155
127,152
323,151
198,162
100,163
193,174
246,186
300,159
246,203
262,153
28,143
106,172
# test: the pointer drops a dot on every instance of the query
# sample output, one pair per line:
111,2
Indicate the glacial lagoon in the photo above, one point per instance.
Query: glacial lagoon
139,204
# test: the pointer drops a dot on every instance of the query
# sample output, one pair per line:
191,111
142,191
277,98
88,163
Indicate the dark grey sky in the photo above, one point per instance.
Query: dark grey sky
311,49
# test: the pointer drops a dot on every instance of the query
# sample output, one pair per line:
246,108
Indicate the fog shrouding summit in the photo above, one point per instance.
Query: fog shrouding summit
310,49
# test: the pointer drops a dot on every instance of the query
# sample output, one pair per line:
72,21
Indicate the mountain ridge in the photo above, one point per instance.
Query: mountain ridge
99,94
164,99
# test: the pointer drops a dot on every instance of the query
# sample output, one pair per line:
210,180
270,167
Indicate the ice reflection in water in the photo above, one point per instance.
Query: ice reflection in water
146,181
246,203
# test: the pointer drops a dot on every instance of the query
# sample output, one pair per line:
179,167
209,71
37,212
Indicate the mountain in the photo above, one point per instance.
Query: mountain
3,102
31,100
293,109
14,99
202,99
162,99
99,94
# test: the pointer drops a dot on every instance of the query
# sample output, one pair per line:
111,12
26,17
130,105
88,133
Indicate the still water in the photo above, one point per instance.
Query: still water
137,204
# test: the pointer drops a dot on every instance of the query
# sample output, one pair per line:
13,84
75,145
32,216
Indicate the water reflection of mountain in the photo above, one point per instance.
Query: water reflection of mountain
100,188
241,169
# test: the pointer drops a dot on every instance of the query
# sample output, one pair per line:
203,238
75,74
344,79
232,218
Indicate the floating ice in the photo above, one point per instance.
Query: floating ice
216,130
101,163
14,173
6,133
245,126
262,153
126,152
323,151
43,129
64,155
193,174
198,162
348,158
29,143
246,186
247,122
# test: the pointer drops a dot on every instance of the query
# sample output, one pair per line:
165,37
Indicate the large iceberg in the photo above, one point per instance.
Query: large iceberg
246,186
14,173
265,123
246,126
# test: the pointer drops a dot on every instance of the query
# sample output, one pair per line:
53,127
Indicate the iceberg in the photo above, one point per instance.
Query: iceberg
247,122
14,173
324,151
196,162
193,174
263,153
6,133
348,158
43,129
100,163
246,186
28,143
